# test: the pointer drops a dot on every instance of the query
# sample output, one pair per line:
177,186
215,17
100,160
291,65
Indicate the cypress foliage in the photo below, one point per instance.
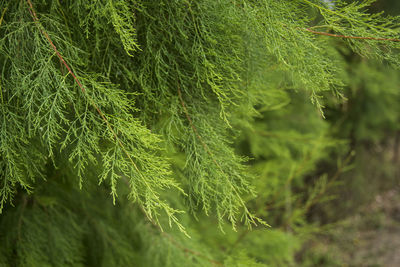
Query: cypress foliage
125,123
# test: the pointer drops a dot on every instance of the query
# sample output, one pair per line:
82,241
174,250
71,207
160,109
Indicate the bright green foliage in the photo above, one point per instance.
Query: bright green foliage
178,109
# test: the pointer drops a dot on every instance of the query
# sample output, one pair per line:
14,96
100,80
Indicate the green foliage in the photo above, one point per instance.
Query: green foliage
352,19
177,109
366,86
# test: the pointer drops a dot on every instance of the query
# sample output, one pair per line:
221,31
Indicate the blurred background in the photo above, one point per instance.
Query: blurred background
332,185
360,224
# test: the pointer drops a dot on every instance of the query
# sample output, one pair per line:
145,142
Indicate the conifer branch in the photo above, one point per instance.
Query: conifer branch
102,115
352,37
248,215
35,18
321,8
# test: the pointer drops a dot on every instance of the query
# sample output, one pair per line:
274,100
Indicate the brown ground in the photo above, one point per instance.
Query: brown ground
379,243
370,238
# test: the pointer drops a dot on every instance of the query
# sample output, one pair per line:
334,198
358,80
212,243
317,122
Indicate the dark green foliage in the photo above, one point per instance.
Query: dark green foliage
121,118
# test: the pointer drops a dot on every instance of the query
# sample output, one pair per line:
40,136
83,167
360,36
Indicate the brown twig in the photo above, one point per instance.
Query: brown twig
352,37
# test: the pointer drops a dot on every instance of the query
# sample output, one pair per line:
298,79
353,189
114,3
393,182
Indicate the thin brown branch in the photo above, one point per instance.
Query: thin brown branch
213,158
352,37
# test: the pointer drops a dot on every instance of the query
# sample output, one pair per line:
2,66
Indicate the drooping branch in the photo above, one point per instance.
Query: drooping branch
35,18
91,100
252,218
